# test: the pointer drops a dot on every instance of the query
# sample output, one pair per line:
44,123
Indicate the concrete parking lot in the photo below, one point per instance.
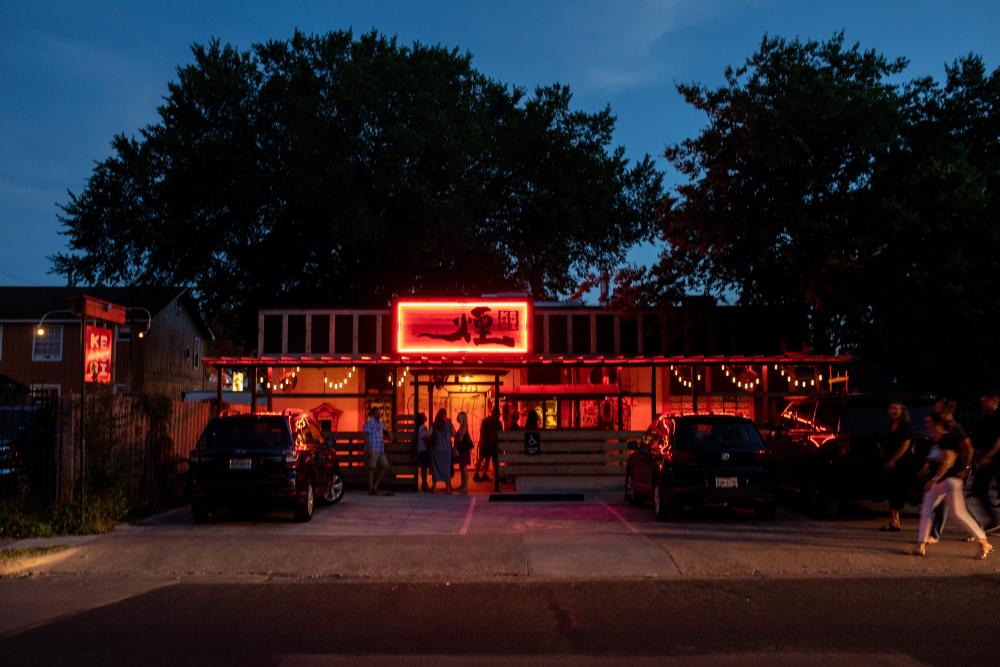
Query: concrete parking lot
459,537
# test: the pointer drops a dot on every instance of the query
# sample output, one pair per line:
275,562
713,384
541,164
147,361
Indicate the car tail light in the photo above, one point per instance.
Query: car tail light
675,456
762,456
292,454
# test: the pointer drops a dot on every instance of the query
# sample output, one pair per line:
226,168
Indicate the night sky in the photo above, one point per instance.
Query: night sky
72,74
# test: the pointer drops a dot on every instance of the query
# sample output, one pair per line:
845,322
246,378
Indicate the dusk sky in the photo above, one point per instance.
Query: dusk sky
75,73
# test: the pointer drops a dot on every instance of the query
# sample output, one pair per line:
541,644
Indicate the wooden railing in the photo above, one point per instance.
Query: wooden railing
567,453
400,451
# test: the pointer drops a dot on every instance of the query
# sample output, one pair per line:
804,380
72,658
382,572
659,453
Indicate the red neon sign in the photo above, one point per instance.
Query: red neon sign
98,359
475,326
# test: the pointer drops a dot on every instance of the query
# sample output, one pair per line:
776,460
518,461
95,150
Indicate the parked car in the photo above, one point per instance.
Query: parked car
704,460
276,458
831,448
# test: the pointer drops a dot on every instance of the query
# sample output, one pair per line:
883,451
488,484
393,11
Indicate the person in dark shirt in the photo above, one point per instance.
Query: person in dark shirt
898,463
945,485
986,441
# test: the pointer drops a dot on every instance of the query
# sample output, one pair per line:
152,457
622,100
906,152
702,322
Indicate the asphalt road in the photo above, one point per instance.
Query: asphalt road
822,621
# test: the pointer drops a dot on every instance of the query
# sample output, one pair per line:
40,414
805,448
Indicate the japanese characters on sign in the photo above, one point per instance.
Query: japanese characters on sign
467,327
97,363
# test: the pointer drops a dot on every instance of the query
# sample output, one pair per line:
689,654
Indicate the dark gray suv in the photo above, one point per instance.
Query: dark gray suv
831,448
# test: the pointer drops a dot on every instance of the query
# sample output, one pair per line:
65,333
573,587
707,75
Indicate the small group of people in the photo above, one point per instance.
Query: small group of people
951,459
441,446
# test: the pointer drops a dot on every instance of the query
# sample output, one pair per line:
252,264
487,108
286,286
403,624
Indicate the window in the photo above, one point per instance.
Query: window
605,334
581,334
272,334
558,342
196,359
124,333
343,334
43,390
296,334
320,334
366,334
49,346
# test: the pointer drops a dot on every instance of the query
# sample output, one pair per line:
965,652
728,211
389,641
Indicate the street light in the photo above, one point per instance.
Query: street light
40,328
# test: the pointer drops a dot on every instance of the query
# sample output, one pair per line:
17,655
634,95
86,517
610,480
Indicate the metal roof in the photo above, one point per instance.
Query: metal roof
519,361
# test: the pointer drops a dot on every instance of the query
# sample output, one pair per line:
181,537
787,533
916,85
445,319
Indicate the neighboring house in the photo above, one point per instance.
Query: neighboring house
164,360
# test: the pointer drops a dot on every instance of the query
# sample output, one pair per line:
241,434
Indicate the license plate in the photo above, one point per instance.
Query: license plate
725,483
240,464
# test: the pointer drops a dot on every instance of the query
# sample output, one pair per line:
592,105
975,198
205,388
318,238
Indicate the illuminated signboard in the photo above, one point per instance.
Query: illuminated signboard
98,359
476,326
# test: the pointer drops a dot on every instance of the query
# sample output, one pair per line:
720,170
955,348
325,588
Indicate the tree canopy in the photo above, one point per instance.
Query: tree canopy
825,184
343,170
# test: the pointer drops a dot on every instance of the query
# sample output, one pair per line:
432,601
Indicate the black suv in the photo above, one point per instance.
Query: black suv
706,460
831,448
263,457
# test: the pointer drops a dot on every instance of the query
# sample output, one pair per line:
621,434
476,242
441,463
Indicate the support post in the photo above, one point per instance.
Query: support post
253,390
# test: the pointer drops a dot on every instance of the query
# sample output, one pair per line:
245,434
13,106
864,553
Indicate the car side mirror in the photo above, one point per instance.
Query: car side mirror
633,445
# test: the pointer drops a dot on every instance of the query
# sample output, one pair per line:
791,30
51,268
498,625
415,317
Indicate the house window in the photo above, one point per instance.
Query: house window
49,346
196,359
43,390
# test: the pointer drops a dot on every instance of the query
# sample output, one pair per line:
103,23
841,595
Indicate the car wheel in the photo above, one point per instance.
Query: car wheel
304,506
336,492
765,511
631,497
199,511
664,509
820,500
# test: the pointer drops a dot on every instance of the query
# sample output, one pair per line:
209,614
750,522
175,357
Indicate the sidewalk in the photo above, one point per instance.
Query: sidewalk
415,536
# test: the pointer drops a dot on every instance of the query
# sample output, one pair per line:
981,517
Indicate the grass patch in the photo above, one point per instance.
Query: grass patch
10,555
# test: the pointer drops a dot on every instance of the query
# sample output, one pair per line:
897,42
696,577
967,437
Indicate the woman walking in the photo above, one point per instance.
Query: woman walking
443,431
423,451
463,445
898,463
946,485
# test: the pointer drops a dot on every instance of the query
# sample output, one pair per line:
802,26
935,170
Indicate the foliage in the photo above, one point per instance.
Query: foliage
102,511
353,171
823,185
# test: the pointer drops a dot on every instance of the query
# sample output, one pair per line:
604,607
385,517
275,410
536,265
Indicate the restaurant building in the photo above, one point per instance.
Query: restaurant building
578,367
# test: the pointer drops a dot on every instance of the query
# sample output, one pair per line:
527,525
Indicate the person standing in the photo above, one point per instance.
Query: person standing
443,431
463,445
945,486
986,441
376,435
898,463
423,453
532,422
489,432
514,426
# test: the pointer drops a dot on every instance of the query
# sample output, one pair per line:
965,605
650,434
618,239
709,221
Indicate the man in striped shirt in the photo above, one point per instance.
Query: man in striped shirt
375,437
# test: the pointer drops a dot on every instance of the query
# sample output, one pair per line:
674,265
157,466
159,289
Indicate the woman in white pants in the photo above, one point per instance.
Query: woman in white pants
945,485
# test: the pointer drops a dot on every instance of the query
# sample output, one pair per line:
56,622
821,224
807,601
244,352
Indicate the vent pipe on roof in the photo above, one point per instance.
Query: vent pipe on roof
605,286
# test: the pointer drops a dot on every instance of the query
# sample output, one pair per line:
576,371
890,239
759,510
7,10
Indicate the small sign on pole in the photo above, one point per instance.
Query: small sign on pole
532,443
97,362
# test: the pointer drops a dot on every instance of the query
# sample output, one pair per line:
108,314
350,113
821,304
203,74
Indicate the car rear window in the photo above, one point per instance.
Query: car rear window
710,434
245,433
871,417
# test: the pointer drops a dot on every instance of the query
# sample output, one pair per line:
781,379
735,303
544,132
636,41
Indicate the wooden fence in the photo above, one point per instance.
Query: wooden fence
575,453
401,452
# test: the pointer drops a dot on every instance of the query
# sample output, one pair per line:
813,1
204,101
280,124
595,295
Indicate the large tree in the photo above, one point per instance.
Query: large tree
824,184
329,169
